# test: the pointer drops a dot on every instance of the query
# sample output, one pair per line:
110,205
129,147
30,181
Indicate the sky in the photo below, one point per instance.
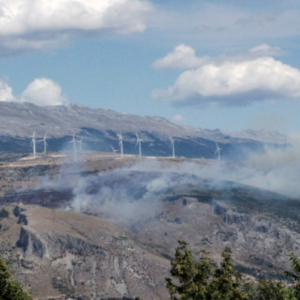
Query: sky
232,65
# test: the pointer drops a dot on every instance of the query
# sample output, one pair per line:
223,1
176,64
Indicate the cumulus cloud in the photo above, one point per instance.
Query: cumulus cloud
44,92
40,24
233,81
183,57
6,93
178,118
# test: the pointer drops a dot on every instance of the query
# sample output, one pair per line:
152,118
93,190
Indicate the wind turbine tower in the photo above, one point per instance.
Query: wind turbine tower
45,144
33,143
120,137
80,144
74,148
139,142
173,146
218,151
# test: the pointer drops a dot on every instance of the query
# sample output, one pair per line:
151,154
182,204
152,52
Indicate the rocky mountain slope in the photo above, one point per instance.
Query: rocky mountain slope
67,254
99,126
112,235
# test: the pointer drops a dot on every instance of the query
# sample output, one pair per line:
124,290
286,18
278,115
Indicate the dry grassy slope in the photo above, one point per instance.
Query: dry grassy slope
24,175
65,249
61,252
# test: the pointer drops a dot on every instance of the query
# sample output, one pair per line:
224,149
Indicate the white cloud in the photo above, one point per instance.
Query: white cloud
41,91
178,118
183,57
266,50
6,93
37,23
44,92
234,83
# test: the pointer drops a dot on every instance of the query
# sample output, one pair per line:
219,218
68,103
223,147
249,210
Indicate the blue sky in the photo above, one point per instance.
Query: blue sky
207,64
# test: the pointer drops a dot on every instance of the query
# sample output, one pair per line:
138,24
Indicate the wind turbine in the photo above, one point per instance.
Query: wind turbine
218,151
120,137
80,144
113,149
33,143
74,147
173,146
45,144
138,142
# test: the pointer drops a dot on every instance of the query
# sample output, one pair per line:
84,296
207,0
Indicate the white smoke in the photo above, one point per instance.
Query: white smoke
136,193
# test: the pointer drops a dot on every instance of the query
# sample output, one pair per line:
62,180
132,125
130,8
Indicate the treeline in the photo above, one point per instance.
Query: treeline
202,280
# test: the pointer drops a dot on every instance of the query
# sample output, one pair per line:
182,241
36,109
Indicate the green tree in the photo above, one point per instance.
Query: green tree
192,277
226,283
10,289
295,275
274,290
200,280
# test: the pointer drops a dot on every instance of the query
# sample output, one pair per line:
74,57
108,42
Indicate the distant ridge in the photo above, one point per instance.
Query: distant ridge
19,120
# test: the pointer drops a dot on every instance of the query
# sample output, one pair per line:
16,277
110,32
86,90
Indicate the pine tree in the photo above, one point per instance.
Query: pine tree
274,290
192,277
10,289
226,283
295,261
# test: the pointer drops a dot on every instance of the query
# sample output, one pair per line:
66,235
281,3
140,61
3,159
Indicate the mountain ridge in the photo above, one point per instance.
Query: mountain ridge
20,120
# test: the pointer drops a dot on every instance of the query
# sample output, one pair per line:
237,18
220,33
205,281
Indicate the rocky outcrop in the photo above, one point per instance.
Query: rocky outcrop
81,256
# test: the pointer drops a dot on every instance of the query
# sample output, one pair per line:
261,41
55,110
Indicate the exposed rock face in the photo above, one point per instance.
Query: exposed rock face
81,256
138,217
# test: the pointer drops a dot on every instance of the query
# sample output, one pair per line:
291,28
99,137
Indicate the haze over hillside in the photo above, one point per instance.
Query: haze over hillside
113,234
20,120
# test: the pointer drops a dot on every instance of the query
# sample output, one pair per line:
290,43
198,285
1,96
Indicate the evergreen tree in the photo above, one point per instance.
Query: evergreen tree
192,277
274,290
226,283
9,288
296,274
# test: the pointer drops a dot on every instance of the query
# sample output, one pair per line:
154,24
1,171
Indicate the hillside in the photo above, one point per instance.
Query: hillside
99,126
124,226
69,254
